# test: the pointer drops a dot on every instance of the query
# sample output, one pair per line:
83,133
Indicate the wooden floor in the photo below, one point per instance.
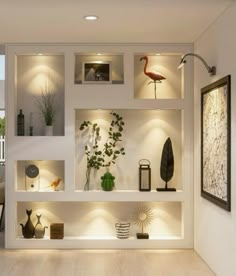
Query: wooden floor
102,263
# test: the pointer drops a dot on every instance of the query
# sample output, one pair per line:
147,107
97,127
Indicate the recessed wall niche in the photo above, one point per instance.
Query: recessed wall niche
144,135
166,65
96,220
116,67
40,175
36,74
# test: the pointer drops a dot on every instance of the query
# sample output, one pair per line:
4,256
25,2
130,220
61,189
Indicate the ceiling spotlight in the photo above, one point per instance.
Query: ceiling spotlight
210,70
91,17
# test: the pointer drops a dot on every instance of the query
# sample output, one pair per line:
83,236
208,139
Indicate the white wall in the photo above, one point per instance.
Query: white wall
215,228
34,74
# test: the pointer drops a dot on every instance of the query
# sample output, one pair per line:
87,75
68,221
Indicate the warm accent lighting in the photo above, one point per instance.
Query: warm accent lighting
210,70
91,17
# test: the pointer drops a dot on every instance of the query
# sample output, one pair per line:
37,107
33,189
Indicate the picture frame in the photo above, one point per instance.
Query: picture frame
97,72
216,143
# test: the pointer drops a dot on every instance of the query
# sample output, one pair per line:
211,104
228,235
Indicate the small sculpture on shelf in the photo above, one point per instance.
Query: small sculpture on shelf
28,230
39,229
156,77
167,166
142,217
55,184
108,181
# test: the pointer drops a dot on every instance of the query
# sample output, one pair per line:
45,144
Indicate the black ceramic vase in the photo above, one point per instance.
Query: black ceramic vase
28,230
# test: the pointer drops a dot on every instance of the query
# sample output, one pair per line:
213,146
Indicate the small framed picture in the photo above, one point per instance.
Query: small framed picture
96,72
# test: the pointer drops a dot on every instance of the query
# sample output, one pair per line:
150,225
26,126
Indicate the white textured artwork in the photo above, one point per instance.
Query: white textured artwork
214,124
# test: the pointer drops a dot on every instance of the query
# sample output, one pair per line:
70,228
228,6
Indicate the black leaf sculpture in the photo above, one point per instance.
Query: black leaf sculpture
167,165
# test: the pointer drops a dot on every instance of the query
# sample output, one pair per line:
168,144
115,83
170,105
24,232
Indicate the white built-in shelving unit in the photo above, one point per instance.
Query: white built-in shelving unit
89,216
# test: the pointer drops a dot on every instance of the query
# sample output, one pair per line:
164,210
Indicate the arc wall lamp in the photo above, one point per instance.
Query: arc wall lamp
210,70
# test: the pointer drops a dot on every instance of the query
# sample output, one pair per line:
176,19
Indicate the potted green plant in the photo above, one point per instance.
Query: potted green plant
103,156
46,105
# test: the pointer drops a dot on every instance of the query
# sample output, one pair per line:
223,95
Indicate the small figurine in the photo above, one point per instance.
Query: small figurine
55,184
28,230
154,76
39,229
108,181
142,216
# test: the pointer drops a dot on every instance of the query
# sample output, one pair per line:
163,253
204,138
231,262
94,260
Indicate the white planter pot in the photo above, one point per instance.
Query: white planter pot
48,130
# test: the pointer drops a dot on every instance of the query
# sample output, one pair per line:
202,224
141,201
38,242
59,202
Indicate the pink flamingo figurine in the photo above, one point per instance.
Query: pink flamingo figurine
156,77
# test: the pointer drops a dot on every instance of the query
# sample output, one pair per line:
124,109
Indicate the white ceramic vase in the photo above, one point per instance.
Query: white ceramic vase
48,130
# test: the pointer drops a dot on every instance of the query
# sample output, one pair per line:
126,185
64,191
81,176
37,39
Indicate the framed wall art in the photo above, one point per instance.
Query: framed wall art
215,143
96,72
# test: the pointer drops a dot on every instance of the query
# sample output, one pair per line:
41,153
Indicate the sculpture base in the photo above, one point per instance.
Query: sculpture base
142,236
166,189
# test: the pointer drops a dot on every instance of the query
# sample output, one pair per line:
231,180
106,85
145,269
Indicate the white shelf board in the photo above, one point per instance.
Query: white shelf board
82,102
101,242
100,196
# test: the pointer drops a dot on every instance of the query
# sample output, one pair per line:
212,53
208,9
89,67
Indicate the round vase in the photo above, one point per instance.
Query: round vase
122,229
48,130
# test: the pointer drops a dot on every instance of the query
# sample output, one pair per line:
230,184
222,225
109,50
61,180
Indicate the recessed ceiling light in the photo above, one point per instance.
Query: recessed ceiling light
157,54
91,17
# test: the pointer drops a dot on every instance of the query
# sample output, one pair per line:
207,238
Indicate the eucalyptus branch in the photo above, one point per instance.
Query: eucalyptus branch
97,158
94,155
111,148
